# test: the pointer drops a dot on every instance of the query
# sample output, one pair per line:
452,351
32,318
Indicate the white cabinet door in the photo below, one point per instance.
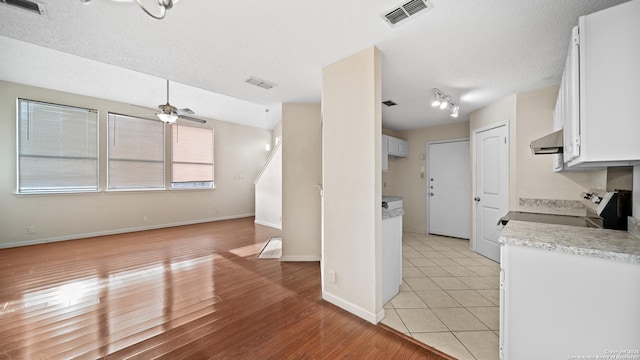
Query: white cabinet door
384,145
570,100
403,148
605,133
394,146
565,306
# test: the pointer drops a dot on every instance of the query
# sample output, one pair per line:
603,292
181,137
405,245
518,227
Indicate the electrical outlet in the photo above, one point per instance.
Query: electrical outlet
145,218
31,229
332,276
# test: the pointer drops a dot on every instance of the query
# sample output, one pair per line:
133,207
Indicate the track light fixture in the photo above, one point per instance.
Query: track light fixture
443,101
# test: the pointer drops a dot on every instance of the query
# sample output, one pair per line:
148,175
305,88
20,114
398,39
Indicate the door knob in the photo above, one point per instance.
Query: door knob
477,198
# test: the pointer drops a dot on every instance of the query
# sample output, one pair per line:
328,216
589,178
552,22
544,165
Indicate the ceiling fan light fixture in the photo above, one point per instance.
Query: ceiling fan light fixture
168,118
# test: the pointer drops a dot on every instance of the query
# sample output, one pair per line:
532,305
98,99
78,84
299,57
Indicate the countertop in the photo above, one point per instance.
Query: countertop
607,244
391,213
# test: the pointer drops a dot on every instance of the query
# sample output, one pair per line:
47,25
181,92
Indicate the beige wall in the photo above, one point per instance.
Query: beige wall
404,175
352,216
301,175
534,175
239,156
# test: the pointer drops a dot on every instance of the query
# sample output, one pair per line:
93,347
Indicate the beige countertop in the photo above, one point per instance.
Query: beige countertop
608,244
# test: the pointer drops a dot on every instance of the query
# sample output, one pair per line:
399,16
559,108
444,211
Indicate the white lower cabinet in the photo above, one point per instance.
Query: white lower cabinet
556,305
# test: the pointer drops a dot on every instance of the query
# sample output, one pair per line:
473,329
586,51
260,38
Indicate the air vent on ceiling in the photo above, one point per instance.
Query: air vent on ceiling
406,11
260,83
30,6
389,103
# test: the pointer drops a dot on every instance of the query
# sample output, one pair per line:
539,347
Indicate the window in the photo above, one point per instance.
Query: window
57,148
135,153
192,157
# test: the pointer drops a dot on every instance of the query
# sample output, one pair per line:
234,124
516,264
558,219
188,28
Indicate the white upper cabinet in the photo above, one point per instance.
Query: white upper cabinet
385,153
398,147
403,148
600,85
391,146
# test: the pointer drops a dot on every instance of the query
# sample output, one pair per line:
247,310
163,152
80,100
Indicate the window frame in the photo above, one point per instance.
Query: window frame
52,191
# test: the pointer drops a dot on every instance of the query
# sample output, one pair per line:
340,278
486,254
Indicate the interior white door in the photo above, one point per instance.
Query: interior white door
491,154
449,188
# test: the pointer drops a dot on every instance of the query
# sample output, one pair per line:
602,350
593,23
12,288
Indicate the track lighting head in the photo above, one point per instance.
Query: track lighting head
443,101
454,111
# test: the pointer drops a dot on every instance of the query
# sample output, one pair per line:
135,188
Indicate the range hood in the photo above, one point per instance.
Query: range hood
549,144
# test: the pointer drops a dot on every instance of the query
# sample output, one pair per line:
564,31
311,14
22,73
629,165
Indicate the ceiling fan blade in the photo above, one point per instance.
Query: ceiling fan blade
144,107
191,118
185,111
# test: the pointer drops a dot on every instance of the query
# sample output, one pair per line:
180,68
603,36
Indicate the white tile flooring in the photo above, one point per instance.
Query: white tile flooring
449,298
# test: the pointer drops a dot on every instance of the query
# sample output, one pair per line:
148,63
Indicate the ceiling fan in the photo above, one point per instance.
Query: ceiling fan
169,114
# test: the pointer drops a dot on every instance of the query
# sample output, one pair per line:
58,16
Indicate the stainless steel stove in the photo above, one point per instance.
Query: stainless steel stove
604,209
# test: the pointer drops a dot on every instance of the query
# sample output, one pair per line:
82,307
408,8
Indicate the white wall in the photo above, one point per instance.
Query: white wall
239,156
352,216
269,191
301,175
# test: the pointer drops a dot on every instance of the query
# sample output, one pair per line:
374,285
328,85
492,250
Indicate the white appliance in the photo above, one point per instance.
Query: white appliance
392,212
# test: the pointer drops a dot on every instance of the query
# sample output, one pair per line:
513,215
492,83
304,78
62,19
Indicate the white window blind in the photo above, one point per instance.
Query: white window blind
135,153
192,157
57,148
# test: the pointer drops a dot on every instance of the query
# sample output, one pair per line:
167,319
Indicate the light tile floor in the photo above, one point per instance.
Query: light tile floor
449,298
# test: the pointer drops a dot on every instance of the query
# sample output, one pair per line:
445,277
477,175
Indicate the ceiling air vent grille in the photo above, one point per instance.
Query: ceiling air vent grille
260,83
406,11
30,6
413,7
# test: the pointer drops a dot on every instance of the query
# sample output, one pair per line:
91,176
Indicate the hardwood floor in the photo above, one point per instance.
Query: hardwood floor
190,292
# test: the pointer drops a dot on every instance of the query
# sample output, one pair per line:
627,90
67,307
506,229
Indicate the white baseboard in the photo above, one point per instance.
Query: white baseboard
300,258
353,308
275,226
119,231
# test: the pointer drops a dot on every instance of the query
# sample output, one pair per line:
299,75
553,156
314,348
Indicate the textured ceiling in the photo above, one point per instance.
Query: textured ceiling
475,51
